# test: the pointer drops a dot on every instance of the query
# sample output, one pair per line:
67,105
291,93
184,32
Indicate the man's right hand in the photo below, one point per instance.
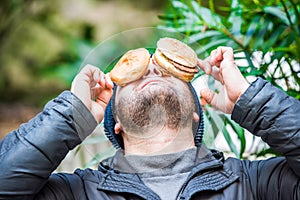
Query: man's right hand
94,89
221,66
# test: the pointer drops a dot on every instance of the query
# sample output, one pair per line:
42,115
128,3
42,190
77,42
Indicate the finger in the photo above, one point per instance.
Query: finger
207,95
205,65
99,91
104,84
203,103
95,78
104,97
102,102
217,75
213,57
89,74
108,82
102,80
97,75
220,54
224,53
89,70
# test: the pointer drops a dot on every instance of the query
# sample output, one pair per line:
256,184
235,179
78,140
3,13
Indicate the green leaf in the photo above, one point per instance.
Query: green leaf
250,33
169,17
203,35
220,123
211,20
235,18
229,142
190,17
209,133
179,5
260,36
212,125
274,38
294,93
288,40
240,133
278,13
212,45
267,151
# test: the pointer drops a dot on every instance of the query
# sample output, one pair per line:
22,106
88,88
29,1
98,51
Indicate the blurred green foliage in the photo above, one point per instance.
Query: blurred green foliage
43,43
36,51
266,32
264,35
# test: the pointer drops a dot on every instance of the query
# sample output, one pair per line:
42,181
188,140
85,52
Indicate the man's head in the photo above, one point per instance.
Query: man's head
156,106
143,108
152,104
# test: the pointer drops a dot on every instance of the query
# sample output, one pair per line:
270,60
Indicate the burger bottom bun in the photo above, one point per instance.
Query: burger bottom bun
132,66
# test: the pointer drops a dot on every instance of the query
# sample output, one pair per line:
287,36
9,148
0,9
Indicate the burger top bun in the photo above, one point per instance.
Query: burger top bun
131,66
178,51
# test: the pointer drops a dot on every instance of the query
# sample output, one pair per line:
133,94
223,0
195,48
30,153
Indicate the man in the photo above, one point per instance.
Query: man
159,158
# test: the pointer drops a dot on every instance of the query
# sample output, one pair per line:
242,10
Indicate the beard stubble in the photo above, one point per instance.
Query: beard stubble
155,107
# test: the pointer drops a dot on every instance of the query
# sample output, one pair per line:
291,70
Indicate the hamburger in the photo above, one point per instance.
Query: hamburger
177,58
132,66
171,57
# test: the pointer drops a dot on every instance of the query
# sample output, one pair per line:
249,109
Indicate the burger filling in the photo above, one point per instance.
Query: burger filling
181,67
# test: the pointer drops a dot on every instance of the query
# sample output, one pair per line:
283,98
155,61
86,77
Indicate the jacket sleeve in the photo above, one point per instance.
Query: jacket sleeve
274,116
268,112
30,154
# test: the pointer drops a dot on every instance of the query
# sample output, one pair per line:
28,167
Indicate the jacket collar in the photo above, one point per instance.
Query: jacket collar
124,183
208,174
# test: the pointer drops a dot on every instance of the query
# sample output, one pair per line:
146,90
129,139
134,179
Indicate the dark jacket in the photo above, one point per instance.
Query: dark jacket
30,154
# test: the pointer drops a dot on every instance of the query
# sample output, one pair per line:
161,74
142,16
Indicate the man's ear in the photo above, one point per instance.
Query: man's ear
118,128
195,117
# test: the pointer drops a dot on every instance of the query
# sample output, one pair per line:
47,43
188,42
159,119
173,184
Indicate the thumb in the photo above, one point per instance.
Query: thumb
207,95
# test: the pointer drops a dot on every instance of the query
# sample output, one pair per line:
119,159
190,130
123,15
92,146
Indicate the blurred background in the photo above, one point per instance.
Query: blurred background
44,43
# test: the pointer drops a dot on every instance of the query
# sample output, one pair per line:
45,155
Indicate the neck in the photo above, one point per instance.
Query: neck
165,141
